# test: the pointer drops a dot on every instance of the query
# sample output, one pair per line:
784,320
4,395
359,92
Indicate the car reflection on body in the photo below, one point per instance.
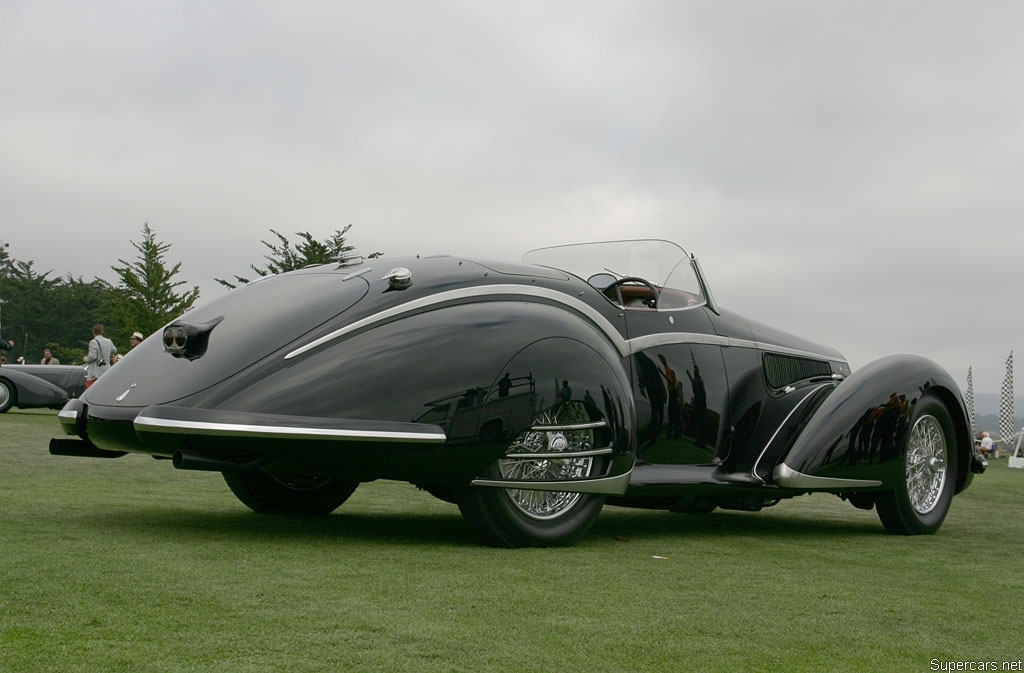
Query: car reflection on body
529,394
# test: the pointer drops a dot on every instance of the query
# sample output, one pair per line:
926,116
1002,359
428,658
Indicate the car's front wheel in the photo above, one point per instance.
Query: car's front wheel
268,493
521,517
921,499
8,395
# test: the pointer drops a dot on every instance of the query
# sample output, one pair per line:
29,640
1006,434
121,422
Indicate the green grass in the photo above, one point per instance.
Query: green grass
129,565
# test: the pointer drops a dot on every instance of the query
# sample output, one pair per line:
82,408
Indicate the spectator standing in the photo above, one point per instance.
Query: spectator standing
97,360
6,345
48,358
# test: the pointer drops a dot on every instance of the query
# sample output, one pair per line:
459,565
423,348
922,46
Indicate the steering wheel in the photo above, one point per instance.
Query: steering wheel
614,291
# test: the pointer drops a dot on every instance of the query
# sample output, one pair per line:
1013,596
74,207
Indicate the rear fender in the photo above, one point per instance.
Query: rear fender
581,386
441,368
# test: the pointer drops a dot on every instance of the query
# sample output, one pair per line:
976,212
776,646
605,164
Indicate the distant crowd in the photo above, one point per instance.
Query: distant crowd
102,353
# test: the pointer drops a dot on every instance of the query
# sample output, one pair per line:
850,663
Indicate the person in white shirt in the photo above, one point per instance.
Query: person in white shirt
97,360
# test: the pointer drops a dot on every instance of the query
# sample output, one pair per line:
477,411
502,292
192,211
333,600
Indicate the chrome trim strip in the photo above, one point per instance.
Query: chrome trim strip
513,291
357,273
570,426
68,419
602,486
787,477
760,345
775,434
673,338
160,425
549,455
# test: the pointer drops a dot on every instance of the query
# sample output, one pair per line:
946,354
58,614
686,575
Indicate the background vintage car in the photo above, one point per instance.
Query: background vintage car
529,394
39,386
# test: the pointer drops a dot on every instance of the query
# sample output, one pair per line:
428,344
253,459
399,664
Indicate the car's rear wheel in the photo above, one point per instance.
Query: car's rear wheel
518,517
8,395
268,493
920,501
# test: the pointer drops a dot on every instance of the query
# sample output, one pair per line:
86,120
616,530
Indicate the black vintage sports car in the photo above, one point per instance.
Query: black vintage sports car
529,394
39,386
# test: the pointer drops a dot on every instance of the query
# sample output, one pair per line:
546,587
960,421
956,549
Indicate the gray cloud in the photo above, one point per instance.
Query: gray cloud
848,171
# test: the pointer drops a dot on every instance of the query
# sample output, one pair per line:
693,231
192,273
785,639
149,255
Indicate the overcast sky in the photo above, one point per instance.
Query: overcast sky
852,172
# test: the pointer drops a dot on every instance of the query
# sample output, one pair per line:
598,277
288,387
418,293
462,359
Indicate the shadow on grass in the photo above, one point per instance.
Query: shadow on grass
617,522
400,528
442,528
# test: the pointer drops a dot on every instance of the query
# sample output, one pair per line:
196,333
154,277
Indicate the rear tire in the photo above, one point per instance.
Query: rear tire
268,493
920,501
510,517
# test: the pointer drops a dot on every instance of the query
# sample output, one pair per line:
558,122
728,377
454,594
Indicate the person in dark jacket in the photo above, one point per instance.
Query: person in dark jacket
6,345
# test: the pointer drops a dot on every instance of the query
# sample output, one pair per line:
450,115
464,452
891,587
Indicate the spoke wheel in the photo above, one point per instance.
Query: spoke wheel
919,503
926,464
547,505
8,396
268,493
520,517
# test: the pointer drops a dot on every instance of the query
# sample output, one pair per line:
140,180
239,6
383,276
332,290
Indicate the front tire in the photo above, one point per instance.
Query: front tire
920,501
514,517
8,395
268,493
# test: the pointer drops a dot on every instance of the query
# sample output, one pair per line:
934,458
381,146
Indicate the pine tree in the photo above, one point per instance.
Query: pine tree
285,256
146,297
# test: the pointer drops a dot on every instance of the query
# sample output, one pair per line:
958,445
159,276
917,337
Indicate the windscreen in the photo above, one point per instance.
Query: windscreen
662,263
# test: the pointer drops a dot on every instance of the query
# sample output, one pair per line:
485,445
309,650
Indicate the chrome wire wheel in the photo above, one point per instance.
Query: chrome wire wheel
921,495
6,396
557,447
926,462
547,505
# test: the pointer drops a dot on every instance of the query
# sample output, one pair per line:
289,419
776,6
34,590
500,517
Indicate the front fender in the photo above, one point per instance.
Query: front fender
856,439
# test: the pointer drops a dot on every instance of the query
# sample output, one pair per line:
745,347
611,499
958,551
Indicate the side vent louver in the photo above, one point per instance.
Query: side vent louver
783,370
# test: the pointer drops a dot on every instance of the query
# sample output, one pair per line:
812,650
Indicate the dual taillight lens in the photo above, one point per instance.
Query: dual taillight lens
175,339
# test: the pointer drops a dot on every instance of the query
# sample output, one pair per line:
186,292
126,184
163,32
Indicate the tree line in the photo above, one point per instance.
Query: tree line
40,311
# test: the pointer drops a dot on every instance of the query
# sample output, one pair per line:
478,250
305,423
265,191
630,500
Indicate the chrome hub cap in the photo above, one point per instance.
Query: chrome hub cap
547,505
926,464
557,442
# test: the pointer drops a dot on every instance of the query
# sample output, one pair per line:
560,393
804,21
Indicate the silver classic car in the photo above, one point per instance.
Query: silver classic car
39,386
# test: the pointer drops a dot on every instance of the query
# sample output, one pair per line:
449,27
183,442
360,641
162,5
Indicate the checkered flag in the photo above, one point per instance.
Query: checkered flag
969,397
1006,402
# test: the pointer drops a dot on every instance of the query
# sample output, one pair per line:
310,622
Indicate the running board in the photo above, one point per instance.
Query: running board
601,486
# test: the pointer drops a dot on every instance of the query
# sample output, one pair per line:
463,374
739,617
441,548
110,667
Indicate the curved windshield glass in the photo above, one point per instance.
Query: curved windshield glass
662,263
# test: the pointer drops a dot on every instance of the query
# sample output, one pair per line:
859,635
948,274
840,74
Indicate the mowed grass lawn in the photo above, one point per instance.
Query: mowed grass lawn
130,565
